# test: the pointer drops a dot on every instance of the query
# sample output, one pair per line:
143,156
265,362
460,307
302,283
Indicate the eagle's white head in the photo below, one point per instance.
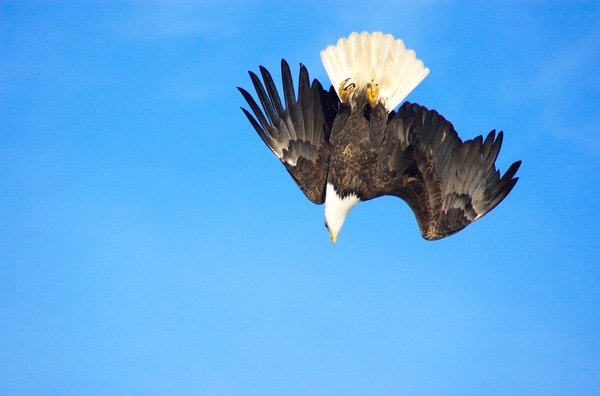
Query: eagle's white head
336,210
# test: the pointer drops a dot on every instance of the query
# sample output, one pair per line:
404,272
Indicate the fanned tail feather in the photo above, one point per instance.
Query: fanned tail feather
377,57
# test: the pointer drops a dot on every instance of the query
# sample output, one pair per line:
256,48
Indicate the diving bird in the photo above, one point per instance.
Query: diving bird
347,144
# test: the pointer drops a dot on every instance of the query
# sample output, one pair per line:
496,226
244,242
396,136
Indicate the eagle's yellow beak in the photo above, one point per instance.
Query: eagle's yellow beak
333,238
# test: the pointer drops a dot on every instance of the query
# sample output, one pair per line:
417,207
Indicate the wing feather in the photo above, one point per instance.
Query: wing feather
298,134
447,183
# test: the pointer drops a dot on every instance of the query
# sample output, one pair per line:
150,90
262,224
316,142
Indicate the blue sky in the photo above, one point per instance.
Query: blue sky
150,244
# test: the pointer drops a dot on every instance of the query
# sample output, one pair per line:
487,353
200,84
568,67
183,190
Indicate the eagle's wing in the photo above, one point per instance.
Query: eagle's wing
447,183
299,133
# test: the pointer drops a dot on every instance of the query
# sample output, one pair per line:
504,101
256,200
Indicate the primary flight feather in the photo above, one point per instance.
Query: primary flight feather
346,145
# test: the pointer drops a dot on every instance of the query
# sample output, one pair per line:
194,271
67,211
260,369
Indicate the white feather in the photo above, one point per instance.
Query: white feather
377,57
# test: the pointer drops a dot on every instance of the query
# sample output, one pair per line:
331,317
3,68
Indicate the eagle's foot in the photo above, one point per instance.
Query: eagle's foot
346,89
373,93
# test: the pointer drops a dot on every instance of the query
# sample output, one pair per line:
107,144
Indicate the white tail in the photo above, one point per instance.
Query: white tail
375,57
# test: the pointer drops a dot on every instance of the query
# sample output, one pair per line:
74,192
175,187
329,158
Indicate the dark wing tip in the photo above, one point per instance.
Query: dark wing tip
253,75
512,170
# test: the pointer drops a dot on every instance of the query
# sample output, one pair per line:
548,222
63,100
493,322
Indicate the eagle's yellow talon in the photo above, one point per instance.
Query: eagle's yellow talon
345,90
373,93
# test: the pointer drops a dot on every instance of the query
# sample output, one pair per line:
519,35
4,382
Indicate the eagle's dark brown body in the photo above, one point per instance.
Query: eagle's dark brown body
356,141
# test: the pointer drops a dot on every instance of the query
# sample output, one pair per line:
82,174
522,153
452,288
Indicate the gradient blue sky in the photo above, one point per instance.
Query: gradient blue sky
150,244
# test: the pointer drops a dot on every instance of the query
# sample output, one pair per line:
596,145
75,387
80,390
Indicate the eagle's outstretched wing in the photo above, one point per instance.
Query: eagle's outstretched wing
299,133
447,183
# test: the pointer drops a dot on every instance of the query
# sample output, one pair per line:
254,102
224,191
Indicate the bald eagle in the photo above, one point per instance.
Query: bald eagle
347,144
